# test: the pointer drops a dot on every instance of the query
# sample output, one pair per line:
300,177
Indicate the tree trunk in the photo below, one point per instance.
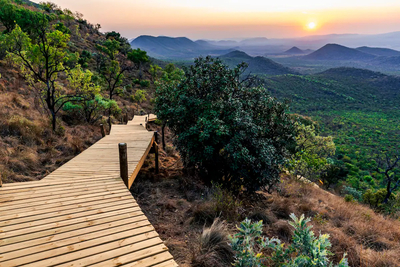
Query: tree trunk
388,192
54,120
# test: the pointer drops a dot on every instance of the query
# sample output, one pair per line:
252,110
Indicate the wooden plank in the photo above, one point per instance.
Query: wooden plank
68,219
170,263
134,258
150,261
13,207
101,252
140,164
140,227
73,210
40,209
49,187
111,240
11,202
48,235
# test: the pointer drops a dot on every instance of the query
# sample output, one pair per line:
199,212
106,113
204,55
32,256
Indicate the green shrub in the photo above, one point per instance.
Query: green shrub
144,83
306,249
230,132
356,194
349,198
375,199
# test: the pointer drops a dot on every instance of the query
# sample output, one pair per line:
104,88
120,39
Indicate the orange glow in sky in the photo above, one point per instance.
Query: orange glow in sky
218,19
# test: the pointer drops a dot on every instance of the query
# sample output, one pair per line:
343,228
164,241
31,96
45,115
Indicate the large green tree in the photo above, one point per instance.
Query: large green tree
230,131
112,67
41,60
311,159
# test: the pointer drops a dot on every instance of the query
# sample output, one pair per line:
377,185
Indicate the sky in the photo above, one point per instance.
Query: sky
228,19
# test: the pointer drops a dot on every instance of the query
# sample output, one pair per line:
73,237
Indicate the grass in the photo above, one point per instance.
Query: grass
369,238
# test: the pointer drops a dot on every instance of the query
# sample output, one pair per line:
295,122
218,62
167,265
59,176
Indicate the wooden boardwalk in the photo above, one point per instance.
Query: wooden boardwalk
82,214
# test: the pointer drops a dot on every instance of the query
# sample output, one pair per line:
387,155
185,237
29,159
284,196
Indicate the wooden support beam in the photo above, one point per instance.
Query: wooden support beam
156,157
156,137
123,163
103,130
126,118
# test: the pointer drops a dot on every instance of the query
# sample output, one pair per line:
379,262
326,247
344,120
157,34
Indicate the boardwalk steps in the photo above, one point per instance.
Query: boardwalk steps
82,214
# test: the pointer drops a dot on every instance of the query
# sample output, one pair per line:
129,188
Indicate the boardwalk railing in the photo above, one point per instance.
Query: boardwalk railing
83,214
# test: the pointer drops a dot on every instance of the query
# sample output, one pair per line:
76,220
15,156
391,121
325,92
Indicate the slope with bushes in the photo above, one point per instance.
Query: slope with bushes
28,144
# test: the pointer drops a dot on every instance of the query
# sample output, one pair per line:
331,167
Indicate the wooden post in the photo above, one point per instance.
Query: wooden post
103,130
156,157
156,137
123,163
126,118
1,182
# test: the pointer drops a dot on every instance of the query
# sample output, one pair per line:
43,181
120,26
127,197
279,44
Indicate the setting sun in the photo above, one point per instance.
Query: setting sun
311,25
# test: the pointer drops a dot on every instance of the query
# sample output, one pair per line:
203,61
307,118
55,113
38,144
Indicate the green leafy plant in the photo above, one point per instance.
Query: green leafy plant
306,249
232,132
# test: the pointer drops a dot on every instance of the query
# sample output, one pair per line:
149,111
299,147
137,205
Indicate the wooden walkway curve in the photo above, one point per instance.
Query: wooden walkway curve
82,214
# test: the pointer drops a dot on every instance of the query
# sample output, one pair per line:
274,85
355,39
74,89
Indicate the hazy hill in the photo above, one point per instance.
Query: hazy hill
163,47
338,52
257,65
254,41
388,62
294,51
377,51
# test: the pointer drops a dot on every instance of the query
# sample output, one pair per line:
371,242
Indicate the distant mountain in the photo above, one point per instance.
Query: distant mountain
163,47
226,43
338,52
377,51
237,55
387,61
294,51
337,89
257,65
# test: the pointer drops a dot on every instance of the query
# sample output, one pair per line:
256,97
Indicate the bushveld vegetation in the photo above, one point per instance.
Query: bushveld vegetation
357,108
60,77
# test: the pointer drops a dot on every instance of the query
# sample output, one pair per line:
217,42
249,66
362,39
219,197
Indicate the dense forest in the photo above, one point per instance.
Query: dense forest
358,108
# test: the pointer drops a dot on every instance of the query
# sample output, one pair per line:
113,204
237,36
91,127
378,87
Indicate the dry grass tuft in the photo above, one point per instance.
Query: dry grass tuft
214,250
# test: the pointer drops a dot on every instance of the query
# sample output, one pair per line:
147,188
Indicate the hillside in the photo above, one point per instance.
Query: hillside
163,47
357,107
369,239
393,62
29,147
338,52
377,51
257,65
